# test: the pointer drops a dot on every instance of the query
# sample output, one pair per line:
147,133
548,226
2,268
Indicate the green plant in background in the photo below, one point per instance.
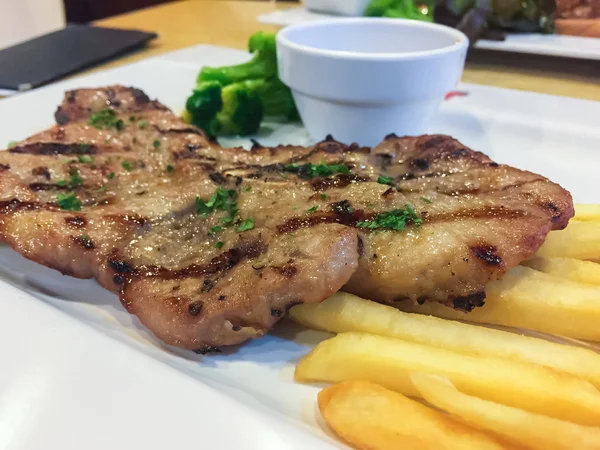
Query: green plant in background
401,9
233,100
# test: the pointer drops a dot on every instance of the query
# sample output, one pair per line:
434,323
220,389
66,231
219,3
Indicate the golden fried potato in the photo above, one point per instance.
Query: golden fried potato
346,312
532,430
374,418
580,240
569,268
389,362
526,298
587,212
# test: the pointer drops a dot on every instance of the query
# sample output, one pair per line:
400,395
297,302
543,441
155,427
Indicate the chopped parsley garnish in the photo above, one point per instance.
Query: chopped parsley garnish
323,196
221,200
86,159
105,119
246,225
247,188
220,244
143,124
384,180
111,175
11,144
311,170
170,168
156,143
396,220
132,118
216,229
69,202
313,209
426,200
74,181
127,166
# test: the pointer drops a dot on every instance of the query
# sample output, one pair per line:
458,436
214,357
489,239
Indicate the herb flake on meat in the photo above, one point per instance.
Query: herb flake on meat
395,220
310,170
68,202
246,225
106,119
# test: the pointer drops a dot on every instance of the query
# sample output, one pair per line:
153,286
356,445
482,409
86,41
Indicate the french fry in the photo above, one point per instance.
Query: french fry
569,268
580,240
346,312
521,427
587,212
526,298
374,418
389,362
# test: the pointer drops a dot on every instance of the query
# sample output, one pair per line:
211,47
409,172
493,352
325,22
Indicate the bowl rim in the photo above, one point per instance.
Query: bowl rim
461,40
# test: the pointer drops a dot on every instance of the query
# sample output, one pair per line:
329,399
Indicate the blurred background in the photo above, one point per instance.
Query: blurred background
24,19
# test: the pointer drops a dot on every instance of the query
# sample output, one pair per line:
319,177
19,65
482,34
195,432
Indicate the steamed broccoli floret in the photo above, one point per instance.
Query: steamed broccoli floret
242,110
403,9
205,102
230,110
234,99
262,65
277,99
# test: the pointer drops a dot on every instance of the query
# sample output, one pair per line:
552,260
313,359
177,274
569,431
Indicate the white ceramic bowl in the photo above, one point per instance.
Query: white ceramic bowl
360,79
338,7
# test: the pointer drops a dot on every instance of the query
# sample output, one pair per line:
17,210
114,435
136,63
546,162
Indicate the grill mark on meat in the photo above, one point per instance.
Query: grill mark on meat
349,219
84,242
389,193
37,187
217,177
337,181
195,308
128,219
360,246
556,214
54,148
287,270
207,349
76,221
468,303
14,205
111,99
4,167
432,142
419,164
342,207
61,116
41,171
439,174
488,254
476,213
219,264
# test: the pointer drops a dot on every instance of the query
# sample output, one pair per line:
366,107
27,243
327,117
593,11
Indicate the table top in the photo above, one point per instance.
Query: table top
229,23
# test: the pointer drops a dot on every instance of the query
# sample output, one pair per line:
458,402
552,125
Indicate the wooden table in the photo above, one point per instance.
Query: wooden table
229,23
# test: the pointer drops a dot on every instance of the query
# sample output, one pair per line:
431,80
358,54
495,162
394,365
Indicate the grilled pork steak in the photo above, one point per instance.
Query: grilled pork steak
210,246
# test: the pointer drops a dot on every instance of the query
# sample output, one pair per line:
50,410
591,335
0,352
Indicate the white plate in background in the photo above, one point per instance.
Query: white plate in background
535,43
78,372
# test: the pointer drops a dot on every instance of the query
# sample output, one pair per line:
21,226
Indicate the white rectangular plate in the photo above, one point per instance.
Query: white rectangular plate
536,43
80,372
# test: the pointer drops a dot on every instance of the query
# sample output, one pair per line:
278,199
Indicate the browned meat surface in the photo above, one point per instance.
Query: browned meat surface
210,246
